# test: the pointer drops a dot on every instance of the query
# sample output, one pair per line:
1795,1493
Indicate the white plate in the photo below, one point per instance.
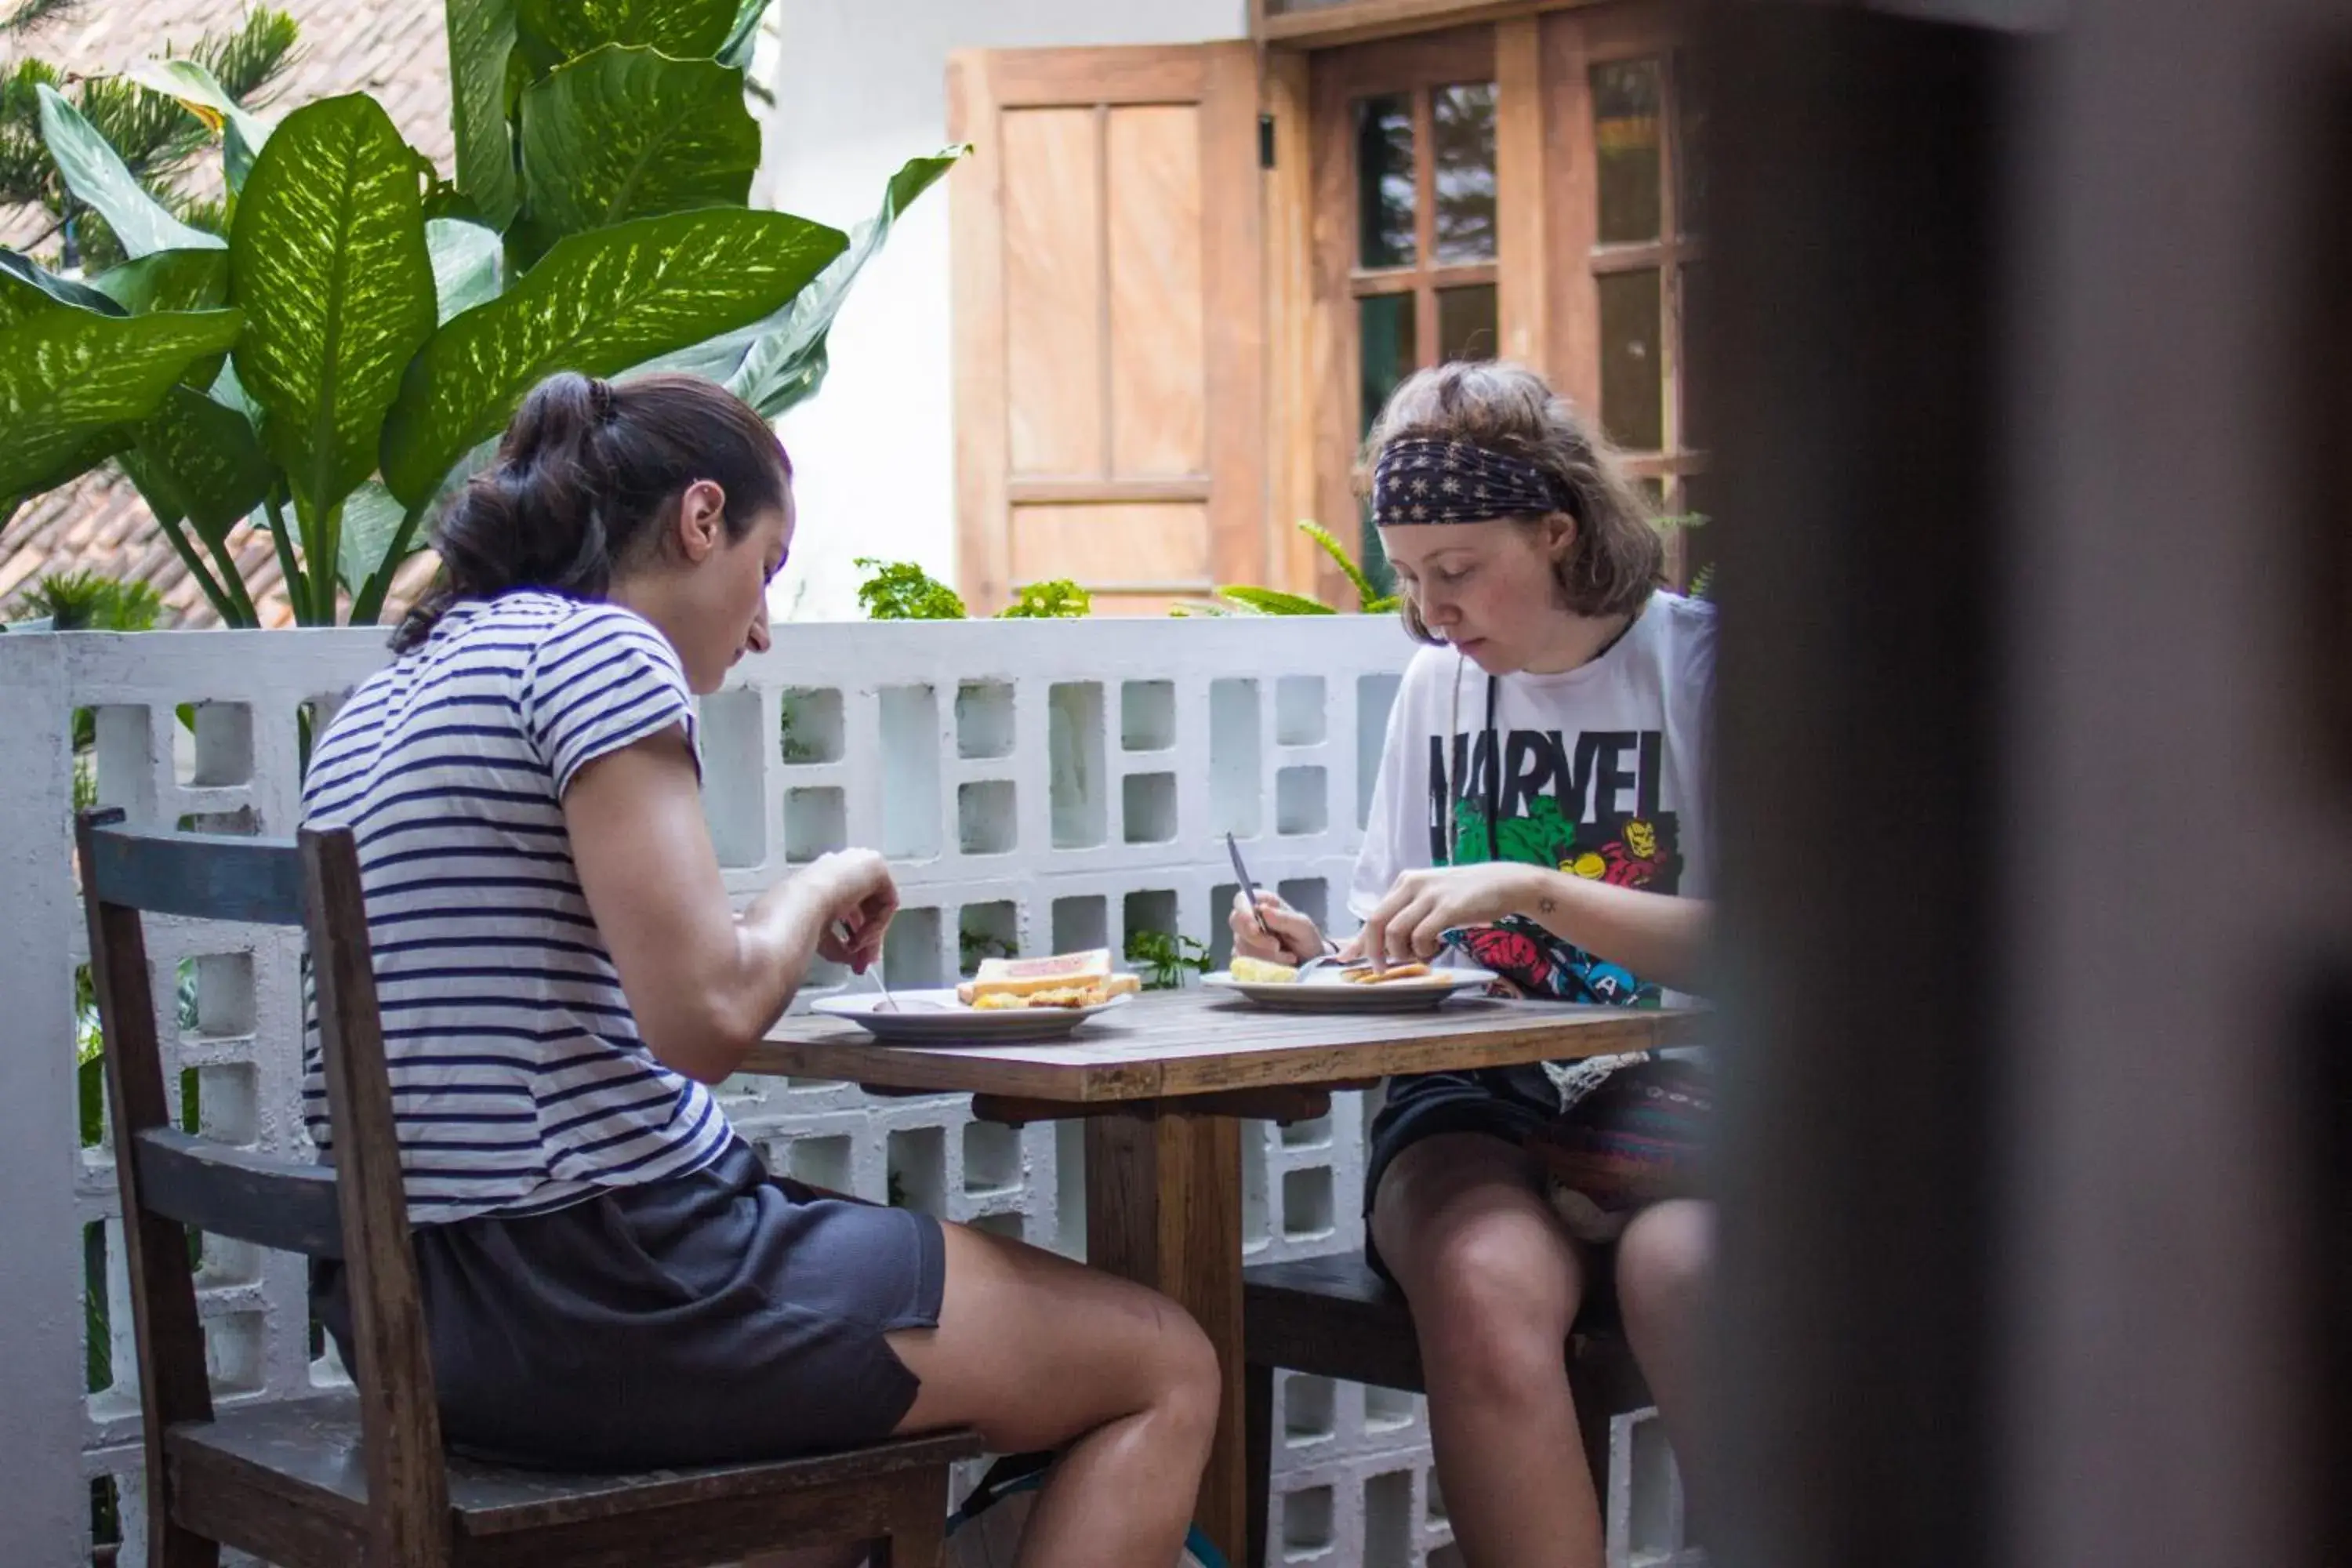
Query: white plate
1324,992
937,1018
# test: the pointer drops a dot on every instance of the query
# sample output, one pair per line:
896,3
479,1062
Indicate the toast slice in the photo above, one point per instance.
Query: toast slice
1064,980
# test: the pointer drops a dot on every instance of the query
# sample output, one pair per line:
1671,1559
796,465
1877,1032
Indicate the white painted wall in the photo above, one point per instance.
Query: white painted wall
861,85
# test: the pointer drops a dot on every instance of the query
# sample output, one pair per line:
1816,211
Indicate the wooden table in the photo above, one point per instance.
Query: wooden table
1164,1085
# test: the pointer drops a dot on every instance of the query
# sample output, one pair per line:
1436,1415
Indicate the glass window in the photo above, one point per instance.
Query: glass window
1633,400
1625,99
1465,322
1690,148
1462,149
1385,327
1384,182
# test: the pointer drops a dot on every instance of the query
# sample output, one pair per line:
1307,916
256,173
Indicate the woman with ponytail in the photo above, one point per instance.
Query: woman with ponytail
612,1280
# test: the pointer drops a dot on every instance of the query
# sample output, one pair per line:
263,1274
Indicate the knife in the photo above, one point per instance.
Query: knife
1249,888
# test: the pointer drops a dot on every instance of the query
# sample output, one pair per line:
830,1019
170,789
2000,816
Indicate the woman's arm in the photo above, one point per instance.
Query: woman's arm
1657,936
703,982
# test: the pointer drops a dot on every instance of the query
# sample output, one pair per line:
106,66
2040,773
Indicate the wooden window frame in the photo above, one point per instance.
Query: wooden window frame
1411,65
1573,43
1359,21
1451,60
1540,56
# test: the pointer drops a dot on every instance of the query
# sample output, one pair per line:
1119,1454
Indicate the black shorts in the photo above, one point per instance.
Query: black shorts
727,1315
1508,1103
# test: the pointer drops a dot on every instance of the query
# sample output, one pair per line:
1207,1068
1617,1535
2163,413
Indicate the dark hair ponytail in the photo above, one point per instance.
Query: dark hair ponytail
585,482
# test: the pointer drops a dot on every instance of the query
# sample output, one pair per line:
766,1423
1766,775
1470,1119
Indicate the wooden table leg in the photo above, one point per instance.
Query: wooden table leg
1164,1208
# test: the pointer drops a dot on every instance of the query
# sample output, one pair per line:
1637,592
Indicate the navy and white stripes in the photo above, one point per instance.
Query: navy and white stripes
518,1076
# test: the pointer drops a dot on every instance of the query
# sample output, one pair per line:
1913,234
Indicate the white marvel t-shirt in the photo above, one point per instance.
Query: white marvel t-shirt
1602,771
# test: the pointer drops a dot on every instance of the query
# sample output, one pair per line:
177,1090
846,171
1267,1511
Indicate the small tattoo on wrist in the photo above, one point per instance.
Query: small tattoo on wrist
1547,905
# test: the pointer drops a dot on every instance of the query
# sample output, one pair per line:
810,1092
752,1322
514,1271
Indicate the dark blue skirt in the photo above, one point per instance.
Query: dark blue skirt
723,1316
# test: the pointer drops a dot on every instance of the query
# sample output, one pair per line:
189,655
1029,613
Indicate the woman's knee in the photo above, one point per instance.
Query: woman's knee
1664,1262
1192,1382
1493,1296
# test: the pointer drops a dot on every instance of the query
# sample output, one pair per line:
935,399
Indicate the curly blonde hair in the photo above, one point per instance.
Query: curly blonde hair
1617,559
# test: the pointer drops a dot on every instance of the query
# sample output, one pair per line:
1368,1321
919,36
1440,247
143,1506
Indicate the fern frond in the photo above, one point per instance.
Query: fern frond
252,57
1274,602
1365,591
153,134
27,15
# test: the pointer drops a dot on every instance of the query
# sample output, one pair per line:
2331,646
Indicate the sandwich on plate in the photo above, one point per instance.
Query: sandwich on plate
1064,980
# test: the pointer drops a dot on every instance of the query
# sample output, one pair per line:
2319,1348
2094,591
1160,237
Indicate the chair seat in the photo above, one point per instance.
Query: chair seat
307,1452
1334,1317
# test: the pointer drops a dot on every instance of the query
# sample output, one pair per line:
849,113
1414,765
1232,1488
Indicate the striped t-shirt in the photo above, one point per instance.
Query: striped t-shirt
518,1076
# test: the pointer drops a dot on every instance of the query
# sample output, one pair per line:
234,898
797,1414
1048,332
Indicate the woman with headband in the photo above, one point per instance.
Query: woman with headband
1541,811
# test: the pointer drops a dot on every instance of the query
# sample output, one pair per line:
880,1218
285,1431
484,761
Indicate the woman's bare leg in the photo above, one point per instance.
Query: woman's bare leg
1494,1281
1036,1351
1664,1262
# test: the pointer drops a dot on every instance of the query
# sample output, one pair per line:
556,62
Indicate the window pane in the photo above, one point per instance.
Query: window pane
1385,184
1690,148
1385,332
1465,322
1384,329
1462,144
1632,402
1625,96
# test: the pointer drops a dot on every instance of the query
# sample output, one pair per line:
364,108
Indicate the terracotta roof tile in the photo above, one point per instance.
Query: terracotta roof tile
396,50
99,523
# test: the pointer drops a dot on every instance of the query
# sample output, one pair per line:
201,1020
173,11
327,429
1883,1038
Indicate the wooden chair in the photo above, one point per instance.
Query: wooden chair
1334,1317
361,1478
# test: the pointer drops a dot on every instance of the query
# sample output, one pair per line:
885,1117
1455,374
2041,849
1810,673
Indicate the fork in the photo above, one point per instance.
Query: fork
887,1005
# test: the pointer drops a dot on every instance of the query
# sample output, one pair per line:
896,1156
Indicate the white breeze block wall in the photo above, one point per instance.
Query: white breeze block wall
1047,786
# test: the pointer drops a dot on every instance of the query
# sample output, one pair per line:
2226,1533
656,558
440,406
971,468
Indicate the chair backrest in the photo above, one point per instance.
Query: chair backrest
355,1210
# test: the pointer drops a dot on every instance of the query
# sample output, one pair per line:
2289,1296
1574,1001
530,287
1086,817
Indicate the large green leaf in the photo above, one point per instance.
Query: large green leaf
72,462
465,258
28,288
371,520
195,459
744,34
331,268
67,378
599,303
172,280
629,132
481,44
243,132
787,363
168,280
96,176
554,31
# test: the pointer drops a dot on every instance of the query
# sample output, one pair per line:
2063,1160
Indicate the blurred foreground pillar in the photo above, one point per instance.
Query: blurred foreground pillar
2030,356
